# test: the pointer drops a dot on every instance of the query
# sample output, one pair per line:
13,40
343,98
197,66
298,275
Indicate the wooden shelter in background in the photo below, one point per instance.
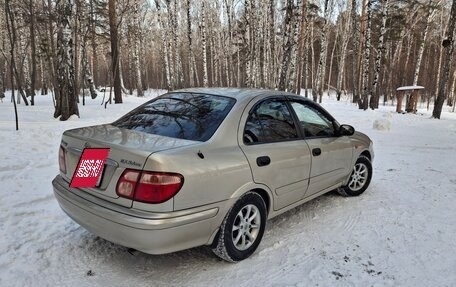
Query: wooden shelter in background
412,95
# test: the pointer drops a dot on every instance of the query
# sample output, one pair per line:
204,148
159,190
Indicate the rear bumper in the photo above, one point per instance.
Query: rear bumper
154,233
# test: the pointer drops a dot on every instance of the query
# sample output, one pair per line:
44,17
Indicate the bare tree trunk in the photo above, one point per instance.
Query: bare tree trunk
287,45
2,81
136,37
364,102
33,52
210,37
302,49
115,66
412,104
9,17
331,61
50,53
451,94
4,65
321,70
122,85
87,75
96,78
248,42
373,103
25,71
448,44
191,60
312,63
355,42
65,70
76,48
179,77
272,42
295,54
12,35
361,39
343,51
229,49
169,83
204,37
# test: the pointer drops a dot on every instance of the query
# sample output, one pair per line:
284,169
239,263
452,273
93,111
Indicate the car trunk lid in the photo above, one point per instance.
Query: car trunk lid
128,149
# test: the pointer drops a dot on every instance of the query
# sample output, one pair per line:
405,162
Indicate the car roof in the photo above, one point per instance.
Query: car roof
237,93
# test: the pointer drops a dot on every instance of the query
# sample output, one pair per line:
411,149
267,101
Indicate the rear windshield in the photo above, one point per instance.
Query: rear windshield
179,115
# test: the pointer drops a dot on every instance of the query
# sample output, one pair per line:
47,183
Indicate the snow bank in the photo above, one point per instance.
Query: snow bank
381,125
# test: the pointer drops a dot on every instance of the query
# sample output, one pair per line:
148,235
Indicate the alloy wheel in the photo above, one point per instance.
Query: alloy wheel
358,177
246,227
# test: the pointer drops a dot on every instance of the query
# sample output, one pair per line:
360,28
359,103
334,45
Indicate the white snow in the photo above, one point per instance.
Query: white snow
410,88
400,232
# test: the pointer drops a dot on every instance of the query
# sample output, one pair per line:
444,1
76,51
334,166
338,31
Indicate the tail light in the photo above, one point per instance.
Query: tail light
149,187
62,162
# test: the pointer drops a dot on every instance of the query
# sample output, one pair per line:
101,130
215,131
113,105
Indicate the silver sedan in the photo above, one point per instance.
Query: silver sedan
209,167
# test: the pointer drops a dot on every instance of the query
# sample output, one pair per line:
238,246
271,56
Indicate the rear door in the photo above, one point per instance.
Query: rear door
331,154
278,156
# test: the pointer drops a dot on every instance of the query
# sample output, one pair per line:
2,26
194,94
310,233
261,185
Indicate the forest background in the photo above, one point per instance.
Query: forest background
364,49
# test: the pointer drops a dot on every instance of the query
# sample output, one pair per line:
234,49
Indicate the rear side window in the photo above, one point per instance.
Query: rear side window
269,121
179,115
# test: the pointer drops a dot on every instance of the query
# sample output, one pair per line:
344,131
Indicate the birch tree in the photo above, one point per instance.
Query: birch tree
364,101
204,44
12,37
354,60
164,40
448,45
114,40
321,70
373,103
412,103
346,25
287,44
302,50
136,38
67,101
191,57
86,29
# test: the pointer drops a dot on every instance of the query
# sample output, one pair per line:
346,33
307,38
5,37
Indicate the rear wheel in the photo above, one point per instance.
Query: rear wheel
242,229
359,179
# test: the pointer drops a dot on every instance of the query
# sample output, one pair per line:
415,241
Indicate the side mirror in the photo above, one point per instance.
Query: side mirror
346,130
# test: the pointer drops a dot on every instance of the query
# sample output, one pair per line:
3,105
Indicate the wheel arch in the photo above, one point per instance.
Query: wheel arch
367,154
261,189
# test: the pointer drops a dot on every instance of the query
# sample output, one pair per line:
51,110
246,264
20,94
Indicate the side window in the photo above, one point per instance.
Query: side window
313,122
269,121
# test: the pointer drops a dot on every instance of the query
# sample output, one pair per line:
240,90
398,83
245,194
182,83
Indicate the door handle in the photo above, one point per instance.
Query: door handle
316,151
263,160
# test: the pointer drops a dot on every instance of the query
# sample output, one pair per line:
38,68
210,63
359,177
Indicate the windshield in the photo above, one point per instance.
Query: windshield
179,115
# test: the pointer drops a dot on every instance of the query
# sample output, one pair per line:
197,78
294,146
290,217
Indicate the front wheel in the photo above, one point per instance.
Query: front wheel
242,229
359,179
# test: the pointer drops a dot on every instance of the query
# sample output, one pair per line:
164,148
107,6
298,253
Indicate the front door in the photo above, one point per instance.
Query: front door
279,158
331,154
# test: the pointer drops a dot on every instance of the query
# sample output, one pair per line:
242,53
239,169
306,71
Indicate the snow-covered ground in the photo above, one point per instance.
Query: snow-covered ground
400,232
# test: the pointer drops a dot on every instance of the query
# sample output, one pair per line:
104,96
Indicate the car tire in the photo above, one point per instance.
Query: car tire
242,229
360,178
